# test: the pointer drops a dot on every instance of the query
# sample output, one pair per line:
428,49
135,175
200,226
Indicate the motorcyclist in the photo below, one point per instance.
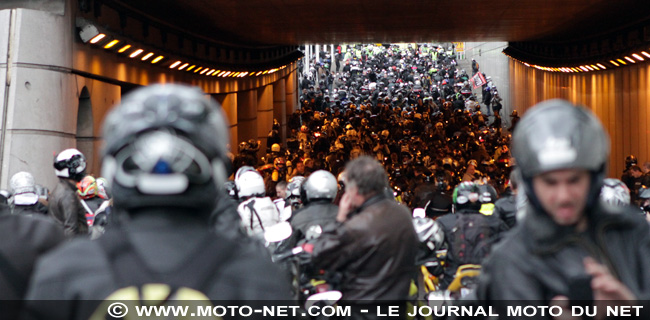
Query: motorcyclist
469,233
25,236
88,193
318,210
64,205
174,142
440,202
292,201
614,192
25,199
567,237
257,211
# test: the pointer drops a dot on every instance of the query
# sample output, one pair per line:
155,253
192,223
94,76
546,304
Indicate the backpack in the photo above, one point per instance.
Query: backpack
471,238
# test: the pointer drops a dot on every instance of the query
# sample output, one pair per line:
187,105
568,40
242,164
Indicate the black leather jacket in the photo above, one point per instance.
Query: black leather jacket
318,213
65,208
539,259
374,249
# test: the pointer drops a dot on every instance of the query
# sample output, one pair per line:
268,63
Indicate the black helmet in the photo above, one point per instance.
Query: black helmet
466,196
70,164
166,146
555,135
487,193
630,161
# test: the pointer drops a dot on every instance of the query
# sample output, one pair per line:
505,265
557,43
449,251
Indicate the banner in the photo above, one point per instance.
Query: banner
478,80
459,46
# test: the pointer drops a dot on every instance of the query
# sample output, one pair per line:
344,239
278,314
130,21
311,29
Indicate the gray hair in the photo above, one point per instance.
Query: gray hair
367,174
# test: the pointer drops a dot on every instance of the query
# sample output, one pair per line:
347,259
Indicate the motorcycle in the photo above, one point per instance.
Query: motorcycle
310,285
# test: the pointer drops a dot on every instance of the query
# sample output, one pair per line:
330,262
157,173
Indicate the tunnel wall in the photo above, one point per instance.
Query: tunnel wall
619,97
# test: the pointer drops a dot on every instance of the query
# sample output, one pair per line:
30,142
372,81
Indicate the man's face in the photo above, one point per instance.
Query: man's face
356,200
300,167
563,194
281,192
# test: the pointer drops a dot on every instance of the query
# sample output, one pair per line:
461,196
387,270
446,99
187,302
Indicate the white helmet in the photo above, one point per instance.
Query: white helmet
249,184
615,192
70,163
23,188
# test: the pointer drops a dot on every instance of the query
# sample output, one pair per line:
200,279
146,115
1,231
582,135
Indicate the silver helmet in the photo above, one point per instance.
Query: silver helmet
320,185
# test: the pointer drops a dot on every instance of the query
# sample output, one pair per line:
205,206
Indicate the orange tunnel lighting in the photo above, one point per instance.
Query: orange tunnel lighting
97,38
136,53
175,64
147,56
111,44
158,58
126,47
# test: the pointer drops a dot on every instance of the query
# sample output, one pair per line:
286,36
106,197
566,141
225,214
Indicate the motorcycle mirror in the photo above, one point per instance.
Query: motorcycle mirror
313,232
327,298
419,213
278,232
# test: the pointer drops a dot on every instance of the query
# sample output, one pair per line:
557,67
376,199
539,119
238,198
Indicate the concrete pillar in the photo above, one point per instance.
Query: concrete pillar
264,116
247,115
317,52
332,58
280,106
291,93
306,62
38,101
229,105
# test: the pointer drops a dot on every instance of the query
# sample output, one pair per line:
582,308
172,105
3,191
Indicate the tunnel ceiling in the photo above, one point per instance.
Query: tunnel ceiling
290,22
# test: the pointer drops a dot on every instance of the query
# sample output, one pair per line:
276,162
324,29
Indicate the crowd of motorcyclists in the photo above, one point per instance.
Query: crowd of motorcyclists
377,126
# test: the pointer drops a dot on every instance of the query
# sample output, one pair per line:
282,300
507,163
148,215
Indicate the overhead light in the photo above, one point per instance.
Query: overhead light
204,71
111,44
638,57
227,73
221,73
183,66
191,67
198,69
126,47
593,66
645,54
629,59
98,37
602,66
147,56
136,53
174,65
210,72
216,73
158,58
621,61
590,68
613,62
88,30
244,74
